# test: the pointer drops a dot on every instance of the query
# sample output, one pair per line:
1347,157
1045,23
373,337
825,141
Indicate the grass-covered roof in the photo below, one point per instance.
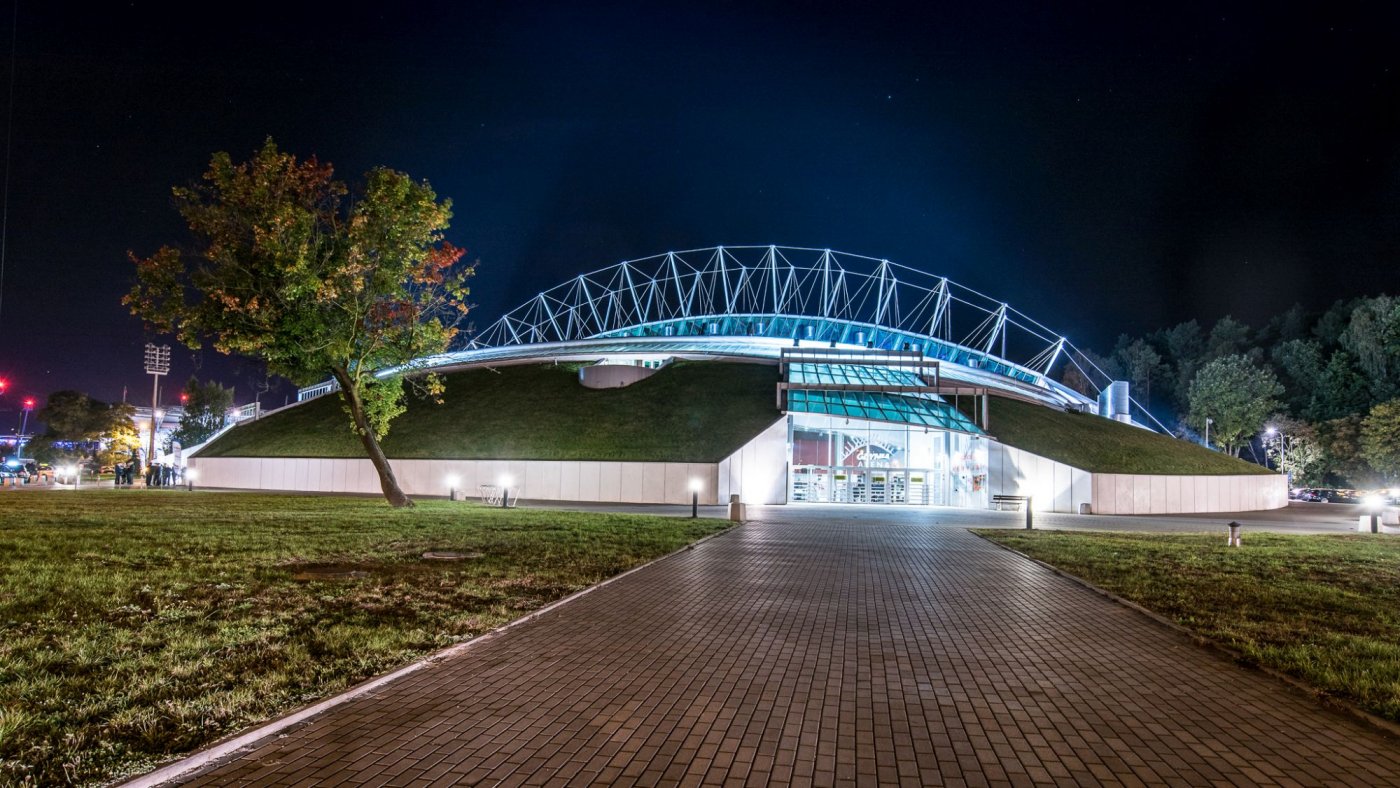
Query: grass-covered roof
1102,445
686,412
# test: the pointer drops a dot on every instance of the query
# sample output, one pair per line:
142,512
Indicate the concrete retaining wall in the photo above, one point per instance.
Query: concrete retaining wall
757,472
1116,493
542,480
1053,486
1057,487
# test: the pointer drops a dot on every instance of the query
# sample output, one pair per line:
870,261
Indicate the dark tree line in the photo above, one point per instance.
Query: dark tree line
1327,384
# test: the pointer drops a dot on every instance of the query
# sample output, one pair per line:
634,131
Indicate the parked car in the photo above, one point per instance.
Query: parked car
1317,494
1348,496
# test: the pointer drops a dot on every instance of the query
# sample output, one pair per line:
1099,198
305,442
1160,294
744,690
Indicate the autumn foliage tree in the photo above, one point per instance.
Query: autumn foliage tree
290,266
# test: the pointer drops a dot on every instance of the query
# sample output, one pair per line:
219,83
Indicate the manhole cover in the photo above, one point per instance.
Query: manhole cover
448,555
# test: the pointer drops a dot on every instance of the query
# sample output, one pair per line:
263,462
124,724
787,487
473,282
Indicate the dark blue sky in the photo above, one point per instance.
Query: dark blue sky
1104,170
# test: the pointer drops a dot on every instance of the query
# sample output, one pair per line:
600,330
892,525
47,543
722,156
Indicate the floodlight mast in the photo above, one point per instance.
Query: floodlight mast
157,364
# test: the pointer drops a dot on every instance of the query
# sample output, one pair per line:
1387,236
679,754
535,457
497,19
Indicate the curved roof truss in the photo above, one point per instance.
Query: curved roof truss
796,293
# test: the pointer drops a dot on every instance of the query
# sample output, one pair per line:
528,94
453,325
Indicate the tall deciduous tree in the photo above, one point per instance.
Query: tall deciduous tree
290,267
1237,396
1380,439
88,425
1343,463
206,411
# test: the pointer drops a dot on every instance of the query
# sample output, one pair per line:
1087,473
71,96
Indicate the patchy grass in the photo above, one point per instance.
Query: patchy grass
687,412
136,625
1100,445
1323,609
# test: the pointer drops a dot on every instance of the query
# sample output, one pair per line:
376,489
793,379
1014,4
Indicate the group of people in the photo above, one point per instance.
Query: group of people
159,474
125,472
163,474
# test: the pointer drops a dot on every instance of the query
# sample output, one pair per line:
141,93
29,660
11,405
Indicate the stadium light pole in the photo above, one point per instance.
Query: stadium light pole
157,364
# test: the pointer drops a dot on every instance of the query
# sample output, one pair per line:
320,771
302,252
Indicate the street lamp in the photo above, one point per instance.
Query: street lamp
1209,421
505,490
452,482
1282,449
190,475
695,485
24,426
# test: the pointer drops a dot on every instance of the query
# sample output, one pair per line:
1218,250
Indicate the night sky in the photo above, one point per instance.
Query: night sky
1103,170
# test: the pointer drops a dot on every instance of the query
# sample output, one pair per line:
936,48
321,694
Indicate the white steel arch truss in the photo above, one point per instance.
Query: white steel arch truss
797,293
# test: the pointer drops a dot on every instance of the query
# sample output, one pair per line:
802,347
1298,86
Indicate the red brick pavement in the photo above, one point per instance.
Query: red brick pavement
830,647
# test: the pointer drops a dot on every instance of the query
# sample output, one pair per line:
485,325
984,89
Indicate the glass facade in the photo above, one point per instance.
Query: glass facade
879,406
850,460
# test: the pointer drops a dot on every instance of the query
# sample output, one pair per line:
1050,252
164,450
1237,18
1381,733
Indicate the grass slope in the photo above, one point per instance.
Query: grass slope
687,412
1323,609
136,624
1102,445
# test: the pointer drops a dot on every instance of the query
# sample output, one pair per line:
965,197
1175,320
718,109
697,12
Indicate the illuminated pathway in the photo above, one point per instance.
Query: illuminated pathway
831,646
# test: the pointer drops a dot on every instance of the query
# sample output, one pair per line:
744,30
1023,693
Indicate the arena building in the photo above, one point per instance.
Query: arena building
888,386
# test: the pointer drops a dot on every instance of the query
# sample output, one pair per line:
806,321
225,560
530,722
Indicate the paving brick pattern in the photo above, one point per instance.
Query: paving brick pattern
830,647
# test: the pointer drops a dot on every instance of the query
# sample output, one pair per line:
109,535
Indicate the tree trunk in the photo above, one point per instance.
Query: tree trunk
390,485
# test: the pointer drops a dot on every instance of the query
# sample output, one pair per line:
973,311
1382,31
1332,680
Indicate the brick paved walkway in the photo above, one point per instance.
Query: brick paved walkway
825,649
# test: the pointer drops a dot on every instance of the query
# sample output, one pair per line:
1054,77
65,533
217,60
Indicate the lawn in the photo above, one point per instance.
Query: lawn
1100,445
136,625
1322,609
687,412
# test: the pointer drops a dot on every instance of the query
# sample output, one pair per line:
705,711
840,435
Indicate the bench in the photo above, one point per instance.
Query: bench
1002,501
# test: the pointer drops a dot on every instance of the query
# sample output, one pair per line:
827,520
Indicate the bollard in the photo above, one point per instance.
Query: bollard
694,504
1234,534
736,509
1030,523
505,498
1375,521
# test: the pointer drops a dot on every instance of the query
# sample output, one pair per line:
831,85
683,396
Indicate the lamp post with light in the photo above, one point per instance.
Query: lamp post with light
1209,421
28,405
695,486
1282,449
505,490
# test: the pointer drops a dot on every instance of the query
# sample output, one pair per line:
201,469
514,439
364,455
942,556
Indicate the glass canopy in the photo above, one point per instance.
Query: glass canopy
851,374
877,406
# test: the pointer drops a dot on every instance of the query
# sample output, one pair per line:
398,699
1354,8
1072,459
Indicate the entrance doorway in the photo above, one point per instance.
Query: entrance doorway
855,484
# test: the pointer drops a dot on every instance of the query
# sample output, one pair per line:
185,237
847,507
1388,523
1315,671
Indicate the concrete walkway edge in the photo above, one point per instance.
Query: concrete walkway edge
223,750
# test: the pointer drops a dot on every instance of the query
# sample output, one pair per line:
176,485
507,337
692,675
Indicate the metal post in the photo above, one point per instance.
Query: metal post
505,497
1030,520
694,504
24,427
1375,521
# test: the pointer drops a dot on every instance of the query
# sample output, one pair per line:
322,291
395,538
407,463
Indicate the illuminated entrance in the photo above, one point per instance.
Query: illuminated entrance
876,426
841,460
